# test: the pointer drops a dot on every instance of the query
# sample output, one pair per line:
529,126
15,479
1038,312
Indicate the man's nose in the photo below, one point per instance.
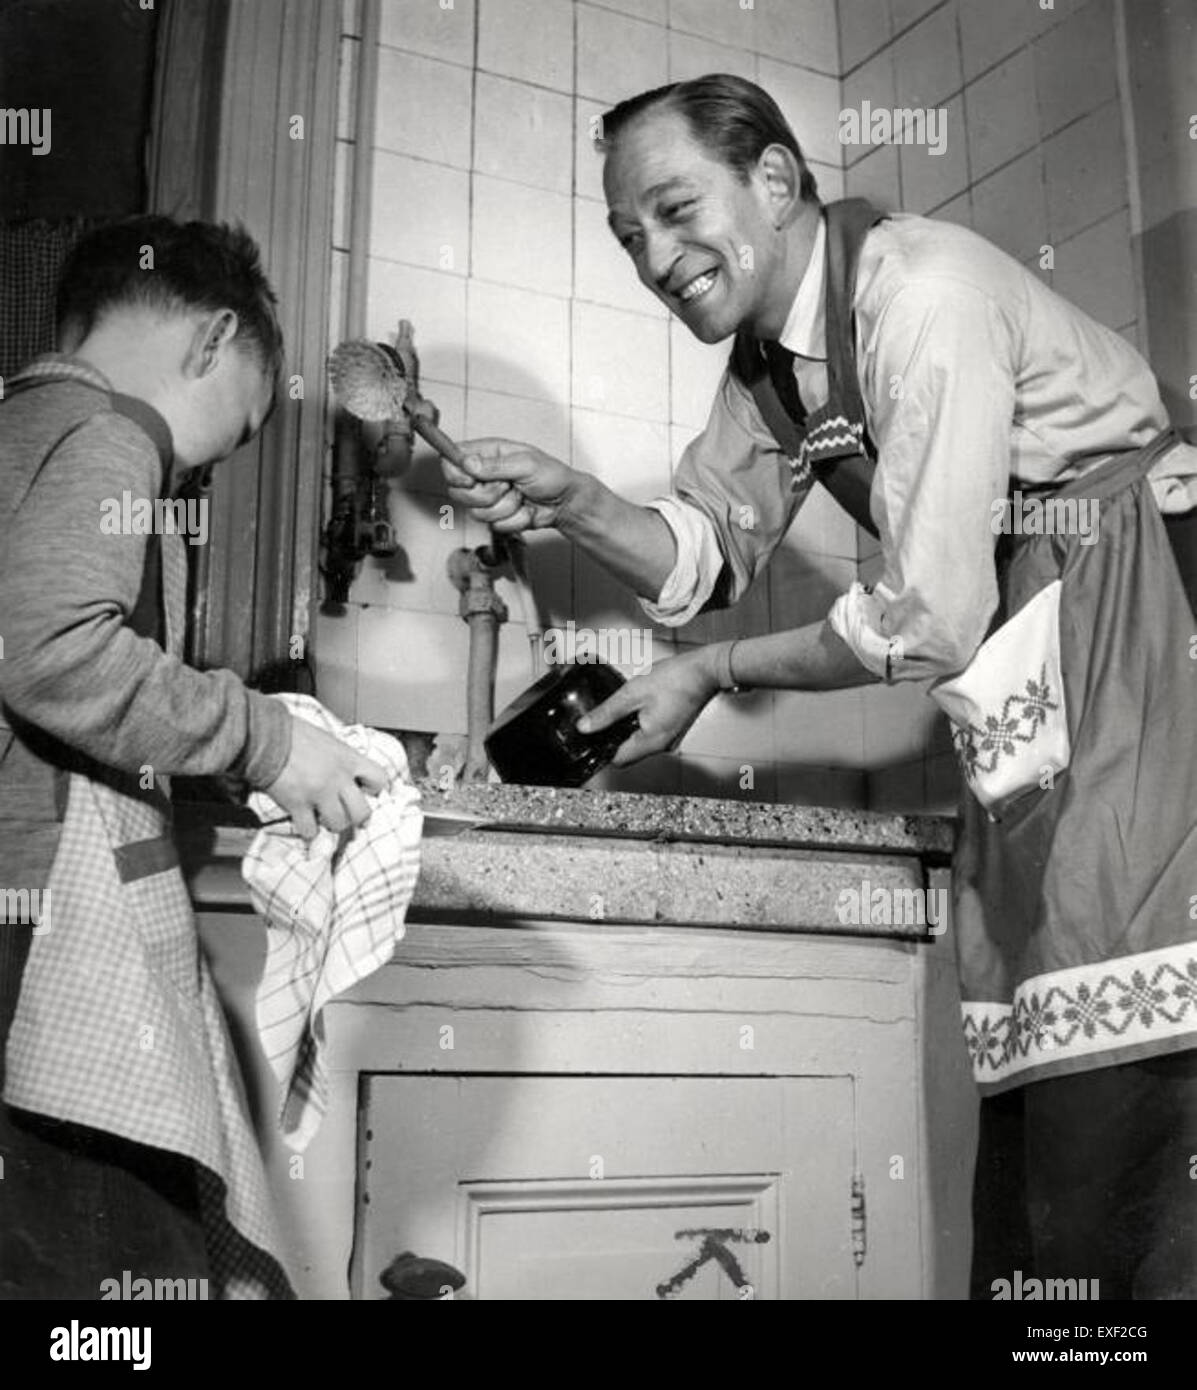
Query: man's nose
660,256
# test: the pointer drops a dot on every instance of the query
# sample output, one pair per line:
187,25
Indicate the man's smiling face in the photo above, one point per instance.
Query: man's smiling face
701,239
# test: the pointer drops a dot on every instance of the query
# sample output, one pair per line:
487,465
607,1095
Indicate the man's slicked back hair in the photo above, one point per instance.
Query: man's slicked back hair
194,266
734,119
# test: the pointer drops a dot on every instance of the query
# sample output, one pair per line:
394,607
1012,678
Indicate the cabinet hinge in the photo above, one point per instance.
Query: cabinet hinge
859,1241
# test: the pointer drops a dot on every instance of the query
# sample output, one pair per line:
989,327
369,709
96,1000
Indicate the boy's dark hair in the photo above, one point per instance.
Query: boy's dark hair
196,265
734,119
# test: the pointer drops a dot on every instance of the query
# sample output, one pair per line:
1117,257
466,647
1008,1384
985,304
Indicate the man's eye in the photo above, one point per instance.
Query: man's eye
631,242
677,209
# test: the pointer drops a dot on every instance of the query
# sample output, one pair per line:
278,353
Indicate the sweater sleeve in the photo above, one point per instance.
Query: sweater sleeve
69,580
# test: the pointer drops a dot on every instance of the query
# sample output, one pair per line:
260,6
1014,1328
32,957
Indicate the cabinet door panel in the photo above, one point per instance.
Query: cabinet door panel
625,1187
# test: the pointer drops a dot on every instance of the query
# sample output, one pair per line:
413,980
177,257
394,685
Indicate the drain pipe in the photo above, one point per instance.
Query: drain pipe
484,611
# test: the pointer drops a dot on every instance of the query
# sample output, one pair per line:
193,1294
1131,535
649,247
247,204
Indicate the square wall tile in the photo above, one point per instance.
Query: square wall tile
618,56
602,601
334,659
420,213
824,729
927,60
411,670
811,104
417,576
523,133
630,456
898,789
728,779
734,726
351,17
1085,167
543,424
423,108
429,29
588,159
830,180
989,32
958,210
1076,66
655,11
908,12
529,39
434,302
1002,119
800,31
1096,271
804,584
877,178
725,21
873,82
621,363
933,174
750,617
822,527
1010,207
841,788
660,776
519,341
603,271
898,722
690,56
522,236
696,371
865,26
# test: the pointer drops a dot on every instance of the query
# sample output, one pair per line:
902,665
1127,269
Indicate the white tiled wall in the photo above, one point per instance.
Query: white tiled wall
488,232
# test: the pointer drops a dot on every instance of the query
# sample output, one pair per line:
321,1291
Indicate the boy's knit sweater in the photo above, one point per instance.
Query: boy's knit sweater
75,679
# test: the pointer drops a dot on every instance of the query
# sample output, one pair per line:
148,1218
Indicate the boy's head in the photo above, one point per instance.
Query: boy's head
181,315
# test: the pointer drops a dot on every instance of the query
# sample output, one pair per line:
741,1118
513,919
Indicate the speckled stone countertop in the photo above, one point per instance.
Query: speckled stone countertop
509,853
637,816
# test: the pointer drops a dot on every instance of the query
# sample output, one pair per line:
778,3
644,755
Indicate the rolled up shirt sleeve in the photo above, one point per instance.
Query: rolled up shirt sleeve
939,380
733,501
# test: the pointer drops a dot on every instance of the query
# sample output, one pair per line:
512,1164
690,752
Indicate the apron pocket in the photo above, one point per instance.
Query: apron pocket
1009,722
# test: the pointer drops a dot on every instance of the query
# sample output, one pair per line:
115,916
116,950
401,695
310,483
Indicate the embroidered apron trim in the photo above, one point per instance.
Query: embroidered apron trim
1022,715
1076,1013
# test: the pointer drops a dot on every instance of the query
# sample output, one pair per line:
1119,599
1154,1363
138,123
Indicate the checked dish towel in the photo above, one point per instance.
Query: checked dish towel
334,912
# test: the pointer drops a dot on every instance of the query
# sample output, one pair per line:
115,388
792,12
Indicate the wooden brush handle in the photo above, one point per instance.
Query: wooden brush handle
439,440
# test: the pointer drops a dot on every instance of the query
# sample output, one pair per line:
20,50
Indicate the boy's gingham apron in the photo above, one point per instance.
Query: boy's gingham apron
118,1026
1074,914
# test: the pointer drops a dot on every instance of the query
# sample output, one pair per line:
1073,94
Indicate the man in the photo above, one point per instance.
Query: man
920,374
125,1139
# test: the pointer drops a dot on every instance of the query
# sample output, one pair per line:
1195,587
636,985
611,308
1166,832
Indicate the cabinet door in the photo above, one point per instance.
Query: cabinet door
611,1187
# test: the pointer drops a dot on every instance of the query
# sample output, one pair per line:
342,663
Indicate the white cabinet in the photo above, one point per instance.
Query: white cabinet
613,1187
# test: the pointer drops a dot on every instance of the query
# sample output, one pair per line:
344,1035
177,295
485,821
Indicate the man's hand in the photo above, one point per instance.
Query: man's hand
324,781
666,700
512,487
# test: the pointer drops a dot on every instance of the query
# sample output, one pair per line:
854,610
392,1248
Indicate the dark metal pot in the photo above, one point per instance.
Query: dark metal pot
536,740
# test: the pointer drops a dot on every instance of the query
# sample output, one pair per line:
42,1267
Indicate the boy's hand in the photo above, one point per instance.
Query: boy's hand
323,781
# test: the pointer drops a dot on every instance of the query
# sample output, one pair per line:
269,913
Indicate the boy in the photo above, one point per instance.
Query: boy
123,1130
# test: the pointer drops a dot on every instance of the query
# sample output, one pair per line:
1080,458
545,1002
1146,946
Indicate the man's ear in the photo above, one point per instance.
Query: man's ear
212,334
782,180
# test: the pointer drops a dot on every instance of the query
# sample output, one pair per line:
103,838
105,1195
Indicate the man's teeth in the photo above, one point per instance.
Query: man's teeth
697,287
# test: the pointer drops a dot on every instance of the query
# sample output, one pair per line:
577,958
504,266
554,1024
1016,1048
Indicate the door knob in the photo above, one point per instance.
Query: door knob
411,1276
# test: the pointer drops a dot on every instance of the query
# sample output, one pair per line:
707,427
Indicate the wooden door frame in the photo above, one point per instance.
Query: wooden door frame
234,78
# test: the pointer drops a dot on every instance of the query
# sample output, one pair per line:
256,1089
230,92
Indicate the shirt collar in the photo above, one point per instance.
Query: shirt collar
805,331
